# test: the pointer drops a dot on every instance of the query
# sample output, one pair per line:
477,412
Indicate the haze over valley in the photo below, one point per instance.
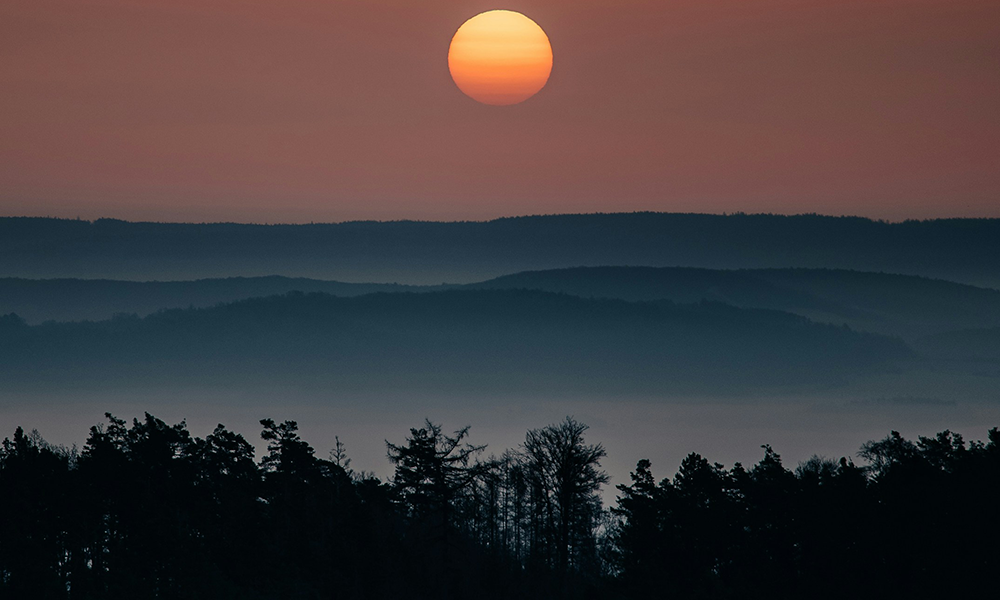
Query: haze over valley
804,358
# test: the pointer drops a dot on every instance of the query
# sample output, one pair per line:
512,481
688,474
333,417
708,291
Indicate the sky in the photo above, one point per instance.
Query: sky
309,110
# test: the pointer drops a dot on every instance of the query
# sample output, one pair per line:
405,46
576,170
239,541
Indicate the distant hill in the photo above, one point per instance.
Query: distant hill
900,305
38,300
906,306
962,250
500,340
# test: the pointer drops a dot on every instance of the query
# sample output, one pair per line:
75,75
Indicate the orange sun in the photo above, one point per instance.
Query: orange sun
500,57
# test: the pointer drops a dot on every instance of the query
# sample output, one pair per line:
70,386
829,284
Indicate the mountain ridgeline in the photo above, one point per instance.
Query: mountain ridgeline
458,340
962,250
900,305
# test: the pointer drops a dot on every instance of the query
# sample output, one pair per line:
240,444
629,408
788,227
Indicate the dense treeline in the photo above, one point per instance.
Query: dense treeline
919,521
149,511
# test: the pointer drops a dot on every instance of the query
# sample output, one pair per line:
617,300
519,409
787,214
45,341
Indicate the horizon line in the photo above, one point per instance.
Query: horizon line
504,218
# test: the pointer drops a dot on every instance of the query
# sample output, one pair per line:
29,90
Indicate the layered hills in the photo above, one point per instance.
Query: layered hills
530,304
497,340
962,250
907,306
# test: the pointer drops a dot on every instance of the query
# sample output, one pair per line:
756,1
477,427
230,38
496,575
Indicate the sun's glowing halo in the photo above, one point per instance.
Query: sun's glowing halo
500,57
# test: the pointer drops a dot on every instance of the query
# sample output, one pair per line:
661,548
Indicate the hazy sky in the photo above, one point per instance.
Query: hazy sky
301,110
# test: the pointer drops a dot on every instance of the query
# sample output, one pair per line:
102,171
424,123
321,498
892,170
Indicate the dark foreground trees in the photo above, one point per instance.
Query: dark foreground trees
533,514
921,521
146,510
564,479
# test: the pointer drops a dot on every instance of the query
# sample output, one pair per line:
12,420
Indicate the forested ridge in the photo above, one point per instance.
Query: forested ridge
148,510
446,341
431,252
900,305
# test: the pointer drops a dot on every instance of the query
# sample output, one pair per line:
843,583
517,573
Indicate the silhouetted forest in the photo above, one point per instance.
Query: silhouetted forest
495,340
147,510
961,250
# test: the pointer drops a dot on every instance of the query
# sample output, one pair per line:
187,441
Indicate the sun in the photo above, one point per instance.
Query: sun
500,57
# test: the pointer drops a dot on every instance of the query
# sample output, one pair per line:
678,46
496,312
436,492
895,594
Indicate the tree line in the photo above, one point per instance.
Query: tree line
148,510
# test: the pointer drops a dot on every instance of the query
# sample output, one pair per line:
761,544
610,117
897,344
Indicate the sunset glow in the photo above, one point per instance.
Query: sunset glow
302,111
500,57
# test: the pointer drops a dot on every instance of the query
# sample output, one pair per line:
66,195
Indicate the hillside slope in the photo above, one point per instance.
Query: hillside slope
454,340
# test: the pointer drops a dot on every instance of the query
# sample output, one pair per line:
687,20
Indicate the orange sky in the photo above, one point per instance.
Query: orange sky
308,110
